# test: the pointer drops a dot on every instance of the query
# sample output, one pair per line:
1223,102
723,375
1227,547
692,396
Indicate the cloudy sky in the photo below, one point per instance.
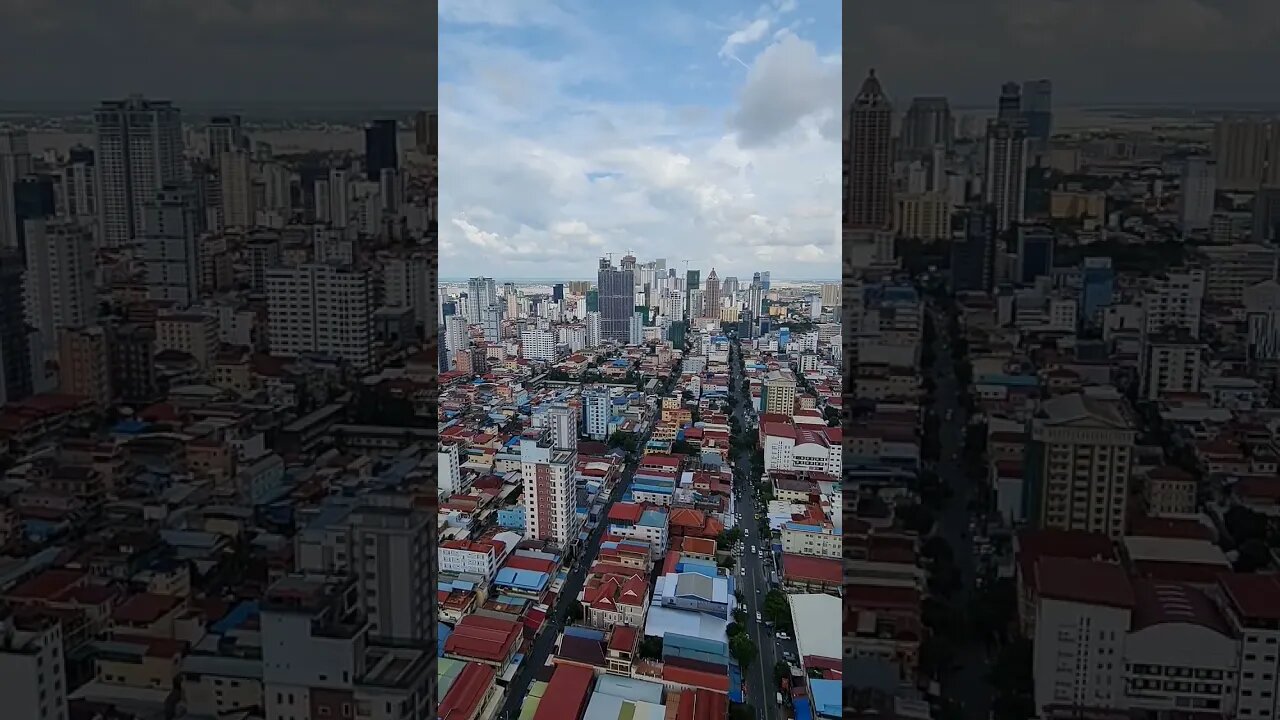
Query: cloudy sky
702,131
246,51
1217,51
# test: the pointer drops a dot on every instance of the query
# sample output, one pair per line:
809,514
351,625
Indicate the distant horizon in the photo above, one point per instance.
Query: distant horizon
772,279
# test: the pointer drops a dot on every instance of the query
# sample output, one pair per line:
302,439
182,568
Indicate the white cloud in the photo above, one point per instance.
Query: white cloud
545,192
753,32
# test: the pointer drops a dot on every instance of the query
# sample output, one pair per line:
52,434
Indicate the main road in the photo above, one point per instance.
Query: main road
753,575
966,681
537,655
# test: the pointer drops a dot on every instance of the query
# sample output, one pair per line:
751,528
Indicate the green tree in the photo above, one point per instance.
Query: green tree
781,671
743,650
729,538
776,609
651,647
575,612
742,711
727,562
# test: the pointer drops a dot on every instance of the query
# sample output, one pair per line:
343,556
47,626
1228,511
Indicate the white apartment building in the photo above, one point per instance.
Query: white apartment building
1082,452
32,678
387,548
1174,302
482,558
800,448
449,462
1171,366
324,309
548,475
593,329
320,659
805,539
59,279
1080,630
1248,603
139,151
538,344
1229,269
409,284
595,408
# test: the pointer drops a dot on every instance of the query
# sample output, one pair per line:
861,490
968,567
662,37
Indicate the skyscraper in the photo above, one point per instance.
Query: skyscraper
33,199
139,152
319,308
1037,109
224,134
59,279
482,292
425,129
616,301
711,297
381,150
15,163
870,159
1035,252
691,283
1010,105
927,124
1006,170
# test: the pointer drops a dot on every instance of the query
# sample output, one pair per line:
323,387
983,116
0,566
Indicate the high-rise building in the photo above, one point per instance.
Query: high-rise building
1037,109
538,344
492,323
729,287
79,187
386,545
1010,104
482,292
16,378
1099,288
455,333
830,294
1240,152
381,148
426,125
927,124
1195,205
235,173
34,198
33,678
870,160
595,412
1079,462
15,163
550,491
593,329
321,657
1005,183
84,366
321,309
778,393
169,253
557,292
224,134
563,423
1266,215
1035,252
973,250
616,301
139,145
711,296
59,279
691,283
408,284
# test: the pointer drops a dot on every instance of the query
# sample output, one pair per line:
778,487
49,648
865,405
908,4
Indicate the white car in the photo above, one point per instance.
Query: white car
758,616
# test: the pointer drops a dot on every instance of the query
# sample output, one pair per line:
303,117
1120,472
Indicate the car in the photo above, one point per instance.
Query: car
782,635
787,655
757,616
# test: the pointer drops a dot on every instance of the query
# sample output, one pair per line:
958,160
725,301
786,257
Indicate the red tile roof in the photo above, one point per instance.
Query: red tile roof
467,691
145,608
809,568
1084,581
566,695
1254,597
484,638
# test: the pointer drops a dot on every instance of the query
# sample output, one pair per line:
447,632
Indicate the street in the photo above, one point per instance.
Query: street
966,681
754,583
545,643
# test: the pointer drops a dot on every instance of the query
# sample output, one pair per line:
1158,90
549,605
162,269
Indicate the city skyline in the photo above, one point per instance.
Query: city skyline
1096,52
556,164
